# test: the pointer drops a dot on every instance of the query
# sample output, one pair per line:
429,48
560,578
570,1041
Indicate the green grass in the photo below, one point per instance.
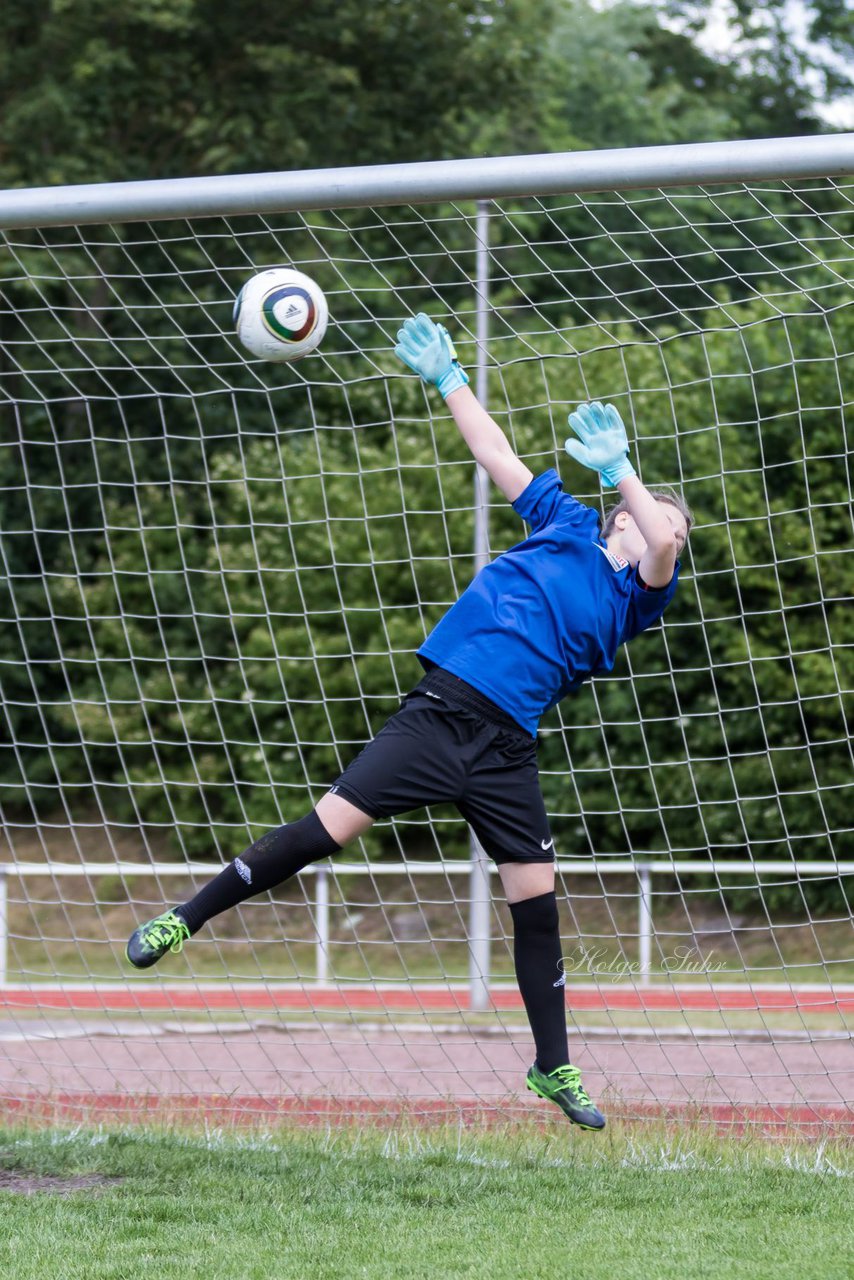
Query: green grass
645,1203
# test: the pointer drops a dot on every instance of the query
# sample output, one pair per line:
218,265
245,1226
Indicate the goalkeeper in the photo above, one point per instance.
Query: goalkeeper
531,627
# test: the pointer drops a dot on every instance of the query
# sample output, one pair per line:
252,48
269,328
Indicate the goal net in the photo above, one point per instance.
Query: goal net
215,573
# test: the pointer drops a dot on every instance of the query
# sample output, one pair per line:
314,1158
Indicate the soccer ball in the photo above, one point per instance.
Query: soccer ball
280,315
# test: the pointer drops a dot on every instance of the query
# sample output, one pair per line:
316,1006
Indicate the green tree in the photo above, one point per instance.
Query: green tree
163,88
778,74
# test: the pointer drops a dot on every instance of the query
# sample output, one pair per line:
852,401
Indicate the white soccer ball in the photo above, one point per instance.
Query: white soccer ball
280,315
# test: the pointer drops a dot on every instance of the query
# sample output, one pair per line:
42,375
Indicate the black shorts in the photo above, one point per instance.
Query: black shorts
450,743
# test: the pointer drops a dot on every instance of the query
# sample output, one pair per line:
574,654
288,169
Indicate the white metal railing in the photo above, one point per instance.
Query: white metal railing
644,870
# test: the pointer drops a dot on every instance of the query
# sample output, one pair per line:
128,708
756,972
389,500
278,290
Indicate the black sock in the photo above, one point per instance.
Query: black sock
540,974
277,856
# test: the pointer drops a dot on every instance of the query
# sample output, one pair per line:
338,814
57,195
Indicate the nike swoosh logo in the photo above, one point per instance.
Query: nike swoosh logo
545,846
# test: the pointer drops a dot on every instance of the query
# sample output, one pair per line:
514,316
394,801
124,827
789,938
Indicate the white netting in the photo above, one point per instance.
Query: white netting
215,575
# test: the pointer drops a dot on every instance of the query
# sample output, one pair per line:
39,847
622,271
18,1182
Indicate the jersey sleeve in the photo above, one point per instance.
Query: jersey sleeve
544,503
647,604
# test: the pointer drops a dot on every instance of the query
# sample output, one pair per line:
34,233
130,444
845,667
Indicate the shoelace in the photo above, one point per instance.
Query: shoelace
570,1078
171,932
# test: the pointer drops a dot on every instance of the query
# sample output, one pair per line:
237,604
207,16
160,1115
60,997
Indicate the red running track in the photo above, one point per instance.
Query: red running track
341,1071
235,997
337,1072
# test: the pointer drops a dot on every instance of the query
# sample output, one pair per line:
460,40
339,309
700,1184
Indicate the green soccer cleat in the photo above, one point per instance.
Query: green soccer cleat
152,940
563,1087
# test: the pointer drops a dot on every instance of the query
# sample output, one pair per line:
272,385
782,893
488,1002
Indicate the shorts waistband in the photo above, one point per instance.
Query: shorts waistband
441,681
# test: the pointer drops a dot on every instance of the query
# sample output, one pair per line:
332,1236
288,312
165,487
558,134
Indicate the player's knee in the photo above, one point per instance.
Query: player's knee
303,841
341,820
523,880
536,915
281,853
308,836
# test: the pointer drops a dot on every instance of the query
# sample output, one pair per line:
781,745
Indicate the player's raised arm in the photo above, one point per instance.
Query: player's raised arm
603,446
428,350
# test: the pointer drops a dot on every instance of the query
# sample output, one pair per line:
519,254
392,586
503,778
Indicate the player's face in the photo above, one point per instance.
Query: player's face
633,543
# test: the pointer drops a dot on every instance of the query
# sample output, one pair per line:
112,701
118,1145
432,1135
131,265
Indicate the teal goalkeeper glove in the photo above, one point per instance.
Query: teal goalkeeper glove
427,349
602,445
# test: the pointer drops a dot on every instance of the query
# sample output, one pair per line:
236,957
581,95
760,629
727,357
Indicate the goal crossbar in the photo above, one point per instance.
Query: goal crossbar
615,169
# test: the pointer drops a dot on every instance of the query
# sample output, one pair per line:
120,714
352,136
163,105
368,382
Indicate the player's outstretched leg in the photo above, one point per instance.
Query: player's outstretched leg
277,856
542,982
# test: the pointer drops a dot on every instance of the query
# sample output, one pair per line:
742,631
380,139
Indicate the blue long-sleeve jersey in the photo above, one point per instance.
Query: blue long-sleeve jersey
544,616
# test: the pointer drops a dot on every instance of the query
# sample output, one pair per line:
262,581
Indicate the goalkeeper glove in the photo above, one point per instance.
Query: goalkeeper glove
602,445
427,349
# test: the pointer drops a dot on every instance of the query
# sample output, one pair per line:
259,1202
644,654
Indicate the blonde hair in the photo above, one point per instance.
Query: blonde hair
670,496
